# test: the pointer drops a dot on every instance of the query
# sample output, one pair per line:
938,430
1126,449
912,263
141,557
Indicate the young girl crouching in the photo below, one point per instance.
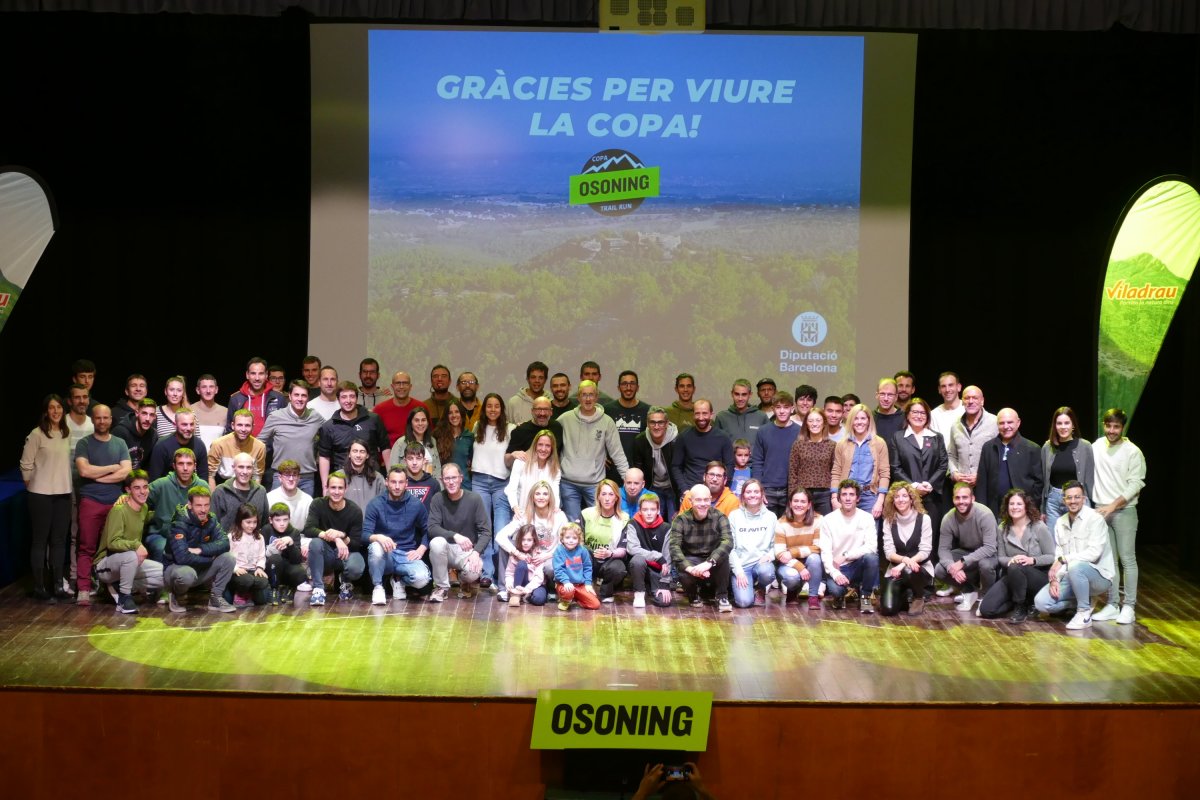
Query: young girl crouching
521,582
573,570
250,571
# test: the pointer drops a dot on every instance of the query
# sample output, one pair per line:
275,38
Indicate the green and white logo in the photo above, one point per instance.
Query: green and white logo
614,183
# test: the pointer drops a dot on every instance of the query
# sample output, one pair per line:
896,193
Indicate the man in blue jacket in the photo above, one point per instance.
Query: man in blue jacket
395,526
197,554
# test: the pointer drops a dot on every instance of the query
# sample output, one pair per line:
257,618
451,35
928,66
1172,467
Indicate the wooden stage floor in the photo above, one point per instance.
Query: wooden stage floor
481,648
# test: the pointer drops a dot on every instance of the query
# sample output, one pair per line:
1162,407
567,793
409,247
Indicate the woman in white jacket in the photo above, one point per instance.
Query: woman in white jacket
538,463
752,560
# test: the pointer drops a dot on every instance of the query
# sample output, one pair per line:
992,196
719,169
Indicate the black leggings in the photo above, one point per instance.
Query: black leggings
894,598
1020,585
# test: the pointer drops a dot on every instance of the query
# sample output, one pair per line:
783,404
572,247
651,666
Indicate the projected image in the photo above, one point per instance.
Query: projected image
660,203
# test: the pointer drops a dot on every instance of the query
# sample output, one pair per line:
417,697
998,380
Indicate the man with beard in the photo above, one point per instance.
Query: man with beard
165,495
139,434
468,388
185,436
351,422
560,400
102,462
439,393
698,445
227,447
370,394
240,490
627,412
256,396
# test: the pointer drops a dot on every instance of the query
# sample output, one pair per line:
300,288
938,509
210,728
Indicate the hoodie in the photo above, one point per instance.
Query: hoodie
227,498
655,460
260,405
586,440
741,425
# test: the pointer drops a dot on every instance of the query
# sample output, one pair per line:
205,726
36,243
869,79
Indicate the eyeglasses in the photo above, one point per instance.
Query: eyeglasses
657,422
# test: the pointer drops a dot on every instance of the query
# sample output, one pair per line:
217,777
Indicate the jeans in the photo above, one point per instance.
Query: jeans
792,580
521,577
758,576
491,489
180,579
863,571
323,557
412,573
775,498
1075,589
575,498
1122,535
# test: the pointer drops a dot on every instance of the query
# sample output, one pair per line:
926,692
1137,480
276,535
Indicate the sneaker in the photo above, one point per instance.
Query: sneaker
113,593
438,595
966,601
639,599
760,598
378,596
1081,620
723,604
1019,615
864,605
83,598
945,591
274,595
1109,612
551,596
485,583
609,599
304,587
346,592
286,594
804,588
126,605
162,597
814,603
318,597
916,607
563,605
175,604
241,601
502,596
696,602
218,603
514,601
64,596
1126,617
66,587
839,602
398,592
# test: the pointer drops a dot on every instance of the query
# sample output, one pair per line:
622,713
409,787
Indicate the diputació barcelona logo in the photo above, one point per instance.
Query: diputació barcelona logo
614,183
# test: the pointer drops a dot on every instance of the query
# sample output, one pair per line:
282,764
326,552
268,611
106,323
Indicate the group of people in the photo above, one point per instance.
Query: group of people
549,496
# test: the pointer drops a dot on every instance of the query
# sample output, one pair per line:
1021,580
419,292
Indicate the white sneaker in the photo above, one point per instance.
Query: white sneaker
945,591
398,592
378,596
1105,614
1081,620
112,592
304,587
609,599
1126,617
639,599
966,601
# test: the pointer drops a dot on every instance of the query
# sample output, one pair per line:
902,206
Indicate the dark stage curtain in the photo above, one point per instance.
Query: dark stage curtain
1160,16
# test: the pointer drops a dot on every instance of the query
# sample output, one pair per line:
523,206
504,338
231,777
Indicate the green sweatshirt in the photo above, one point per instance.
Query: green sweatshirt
122,530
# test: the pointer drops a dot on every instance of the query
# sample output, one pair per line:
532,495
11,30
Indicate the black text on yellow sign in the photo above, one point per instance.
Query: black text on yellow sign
570,719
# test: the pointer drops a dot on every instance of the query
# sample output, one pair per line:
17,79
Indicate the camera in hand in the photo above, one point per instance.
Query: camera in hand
677,773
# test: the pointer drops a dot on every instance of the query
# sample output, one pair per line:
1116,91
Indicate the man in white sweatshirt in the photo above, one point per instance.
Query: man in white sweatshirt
588,436
848,550
1083,562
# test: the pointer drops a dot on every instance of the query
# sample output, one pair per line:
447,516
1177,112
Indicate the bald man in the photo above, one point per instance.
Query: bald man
974,428
240,489
394,411
699,545
1009,461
